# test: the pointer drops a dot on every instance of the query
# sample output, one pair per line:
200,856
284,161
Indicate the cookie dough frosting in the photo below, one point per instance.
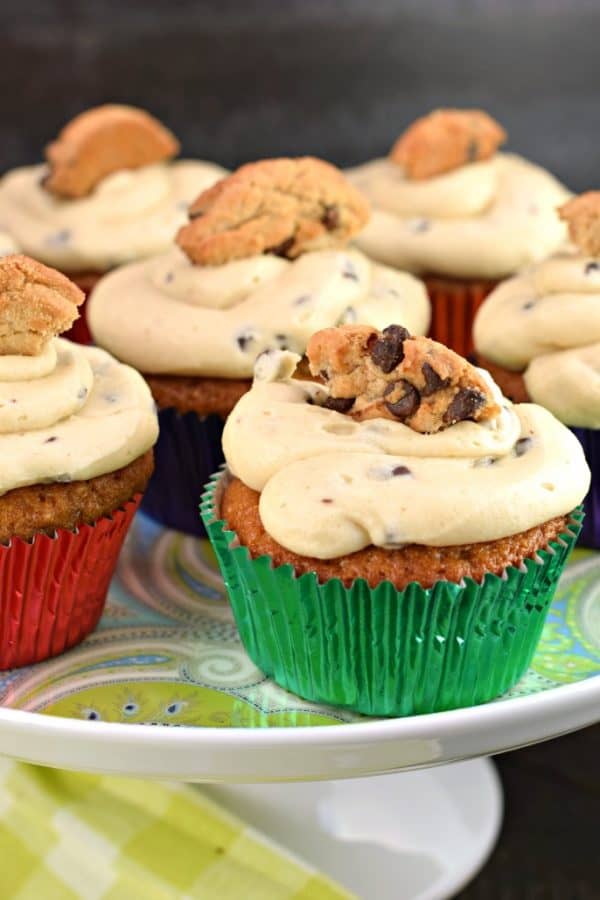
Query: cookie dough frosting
215,320
331,485
262,264
109,194
483,216
546,324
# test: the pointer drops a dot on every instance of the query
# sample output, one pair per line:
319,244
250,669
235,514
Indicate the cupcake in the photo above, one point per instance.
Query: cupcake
109,193
391,538
76,436
539,336
262,264
450,207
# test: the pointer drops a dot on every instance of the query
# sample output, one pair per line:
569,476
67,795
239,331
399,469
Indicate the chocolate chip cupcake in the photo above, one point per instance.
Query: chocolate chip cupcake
262,264
539,336
392,536
76,436
109,193
452,208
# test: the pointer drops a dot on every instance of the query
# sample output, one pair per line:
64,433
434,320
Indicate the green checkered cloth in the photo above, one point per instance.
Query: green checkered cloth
66,836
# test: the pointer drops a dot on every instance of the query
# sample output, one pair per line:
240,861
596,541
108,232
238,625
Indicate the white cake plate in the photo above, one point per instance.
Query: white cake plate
167,654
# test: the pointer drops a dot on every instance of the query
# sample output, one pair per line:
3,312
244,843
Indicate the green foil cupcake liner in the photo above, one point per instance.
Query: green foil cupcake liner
381,651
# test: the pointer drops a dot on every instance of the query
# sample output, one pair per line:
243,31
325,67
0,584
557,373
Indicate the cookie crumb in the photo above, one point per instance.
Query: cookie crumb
582,215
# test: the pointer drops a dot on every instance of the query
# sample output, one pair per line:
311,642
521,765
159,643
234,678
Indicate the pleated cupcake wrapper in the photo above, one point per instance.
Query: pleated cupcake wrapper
381,651
53,589
590,533
187,453
453,308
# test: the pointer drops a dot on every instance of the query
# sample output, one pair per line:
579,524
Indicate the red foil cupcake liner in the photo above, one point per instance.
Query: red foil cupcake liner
53,589
453,307
79,331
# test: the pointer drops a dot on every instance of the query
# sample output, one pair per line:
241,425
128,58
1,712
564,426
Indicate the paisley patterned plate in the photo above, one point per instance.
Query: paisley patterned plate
167,651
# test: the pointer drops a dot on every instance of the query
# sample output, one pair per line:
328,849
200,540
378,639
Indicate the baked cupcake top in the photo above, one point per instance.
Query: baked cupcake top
67,412
109,192
262,264
545,322
404,442
446,202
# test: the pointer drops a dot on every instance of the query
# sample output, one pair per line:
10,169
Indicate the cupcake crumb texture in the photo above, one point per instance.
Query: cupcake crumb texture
446,139
582,215
101,141
36,304
279,206
392,375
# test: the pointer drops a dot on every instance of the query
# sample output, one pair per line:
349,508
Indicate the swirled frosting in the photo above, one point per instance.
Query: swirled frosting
168,316
130,215
70,414
546,323
331,485
483,220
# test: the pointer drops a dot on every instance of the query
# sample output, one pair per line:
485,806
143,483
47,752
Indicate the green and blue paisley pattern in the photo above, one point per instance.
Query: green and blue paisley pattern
167,651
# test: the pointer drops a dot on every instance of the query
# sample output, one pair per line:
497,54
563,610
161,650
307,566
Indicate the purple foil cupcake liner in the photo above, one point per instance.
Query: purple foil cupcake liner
187,453
590,533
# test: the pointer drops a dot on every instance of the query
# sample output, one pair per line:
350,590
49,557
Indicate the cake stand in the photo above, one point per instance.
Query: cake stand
163,689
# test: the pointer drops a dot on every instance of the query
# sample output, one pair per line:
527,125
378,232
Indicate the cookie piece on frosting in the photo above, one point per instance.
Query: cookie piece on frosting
582,215
446,139
103,140
392,375
36,303
282,206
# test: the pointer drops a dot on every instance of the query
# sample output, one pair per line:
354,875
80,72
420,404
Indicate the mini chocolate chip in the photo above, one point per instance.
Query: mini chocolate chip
50,440
197,214
349,270
404,399
433,381
464,405
401,470
82,393
472,151
522,446
326,500
111,398
331,218
169,277
281,249
301,301
485,461
529,305
339,404
243,339
592,267
388,350
282,341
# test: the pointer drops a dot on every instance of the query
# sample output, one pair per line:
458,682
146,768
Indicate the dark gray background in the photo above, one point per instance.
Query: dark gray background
238,79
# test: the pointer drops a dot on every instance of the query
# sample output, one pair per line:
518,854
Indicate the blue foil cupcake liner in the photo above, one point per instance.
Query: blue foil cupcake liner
187,453
590,441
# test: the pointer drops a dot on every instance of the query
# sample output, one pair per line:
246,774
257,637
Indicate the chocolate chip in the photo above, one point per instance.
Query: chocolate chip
417,226
301,301
339,404
522,446
282,249
472,151
433,381
529,305
244,338
82,393
388,350
592,267
326,500
282,341
401,470
59,238
403,399
196,214
464,405
349,270
50,440
485,461
331,218
169,277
